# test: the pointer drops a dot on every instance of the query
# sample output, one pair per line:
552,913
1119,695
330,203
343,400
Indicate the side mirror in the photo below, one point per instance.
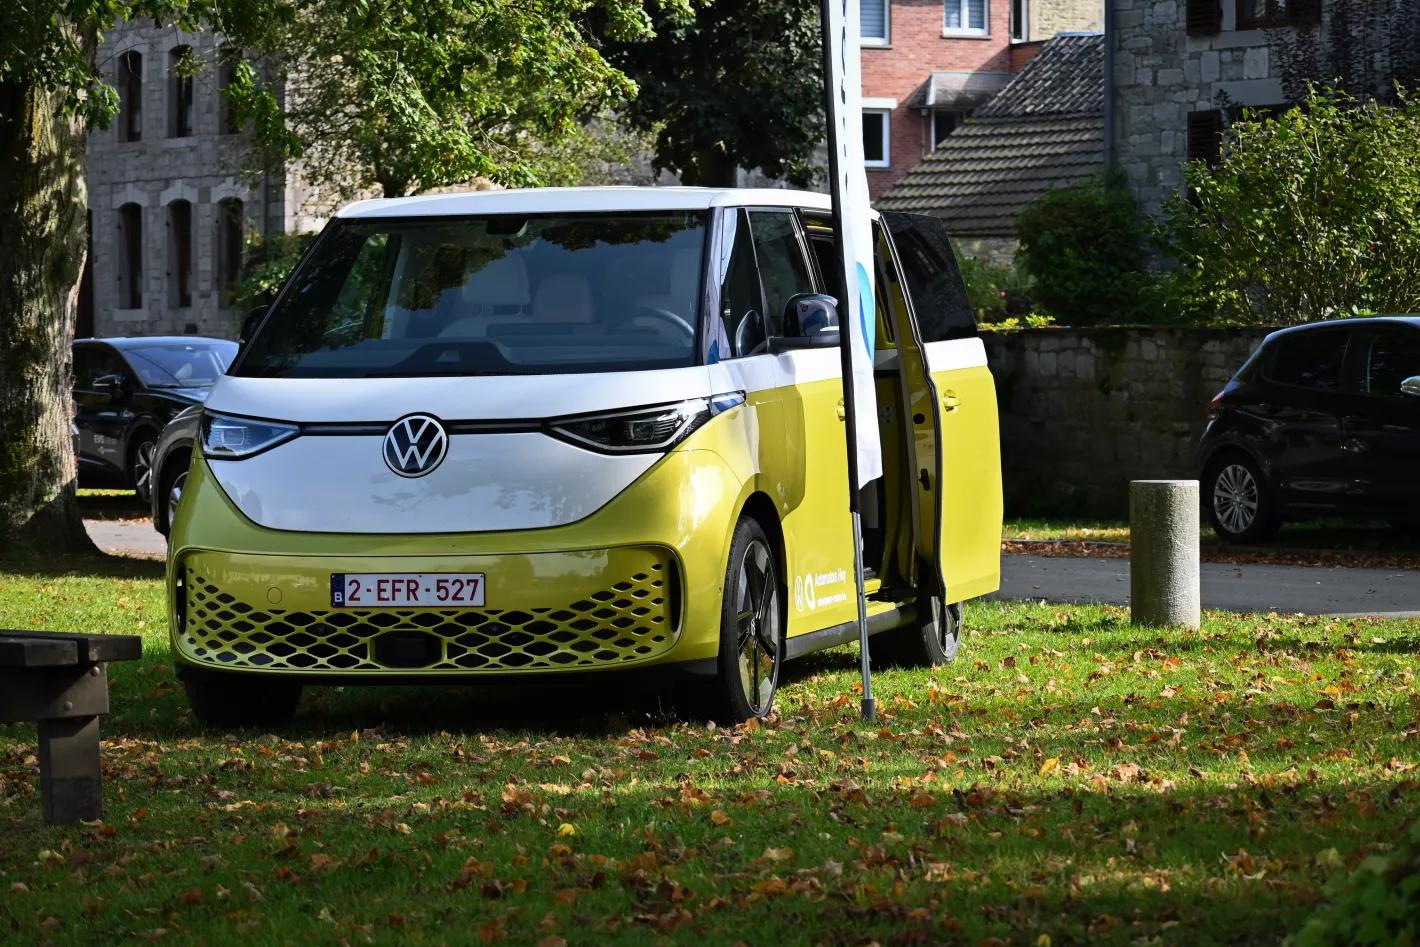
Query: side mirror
113,385
1411,386
249,324
813,320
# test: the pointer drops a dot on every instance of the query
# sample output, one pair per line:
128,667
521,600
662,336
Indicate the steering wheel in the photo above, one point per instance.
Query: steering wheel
664,315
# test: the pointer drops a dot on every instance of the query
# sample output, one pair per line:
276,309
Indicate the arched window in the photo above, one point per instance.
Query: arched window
130,96
180,100
229,248
228,58
130,257
179,254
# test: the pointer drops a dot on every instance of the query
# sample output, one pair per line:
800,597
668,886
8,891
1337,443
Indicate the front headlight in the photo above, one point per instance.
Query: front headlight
643,430
229,438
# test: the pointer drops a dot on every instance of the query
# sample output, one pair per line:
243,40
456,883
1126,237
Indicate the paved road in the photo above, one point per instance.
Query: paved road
1316,590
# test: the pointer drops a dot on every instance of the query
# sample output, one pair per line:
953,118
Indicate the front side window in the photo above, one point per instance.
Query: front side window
1309,360
1390,359
966,16
740,328
494,295
875,138
783,268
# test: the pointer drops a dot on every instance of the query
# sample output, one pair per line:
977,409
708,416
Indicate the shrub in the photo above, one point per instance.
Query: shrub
1308,216
1377,904
996,291
1085,246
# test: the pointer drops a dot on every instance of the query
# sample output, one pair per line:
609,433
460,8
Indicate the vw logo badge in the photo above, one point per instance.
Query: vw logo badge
415,445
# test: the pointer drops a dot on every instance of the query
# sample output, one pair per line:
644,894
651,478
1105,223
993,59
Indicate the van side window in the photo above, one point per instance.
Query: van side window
741,327
929,267
782,266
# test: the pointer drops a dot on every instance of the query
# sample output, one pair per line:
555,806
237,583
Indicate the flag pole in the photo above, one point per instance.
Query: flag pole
868,707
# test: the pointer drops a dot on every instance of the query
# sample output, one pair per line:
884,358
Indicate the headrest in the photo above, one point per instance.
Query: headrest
502,282
563,297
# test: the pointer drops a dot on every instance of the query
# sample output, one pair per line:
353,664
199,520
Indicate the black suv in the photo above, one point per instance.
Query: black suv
1323,418
126,390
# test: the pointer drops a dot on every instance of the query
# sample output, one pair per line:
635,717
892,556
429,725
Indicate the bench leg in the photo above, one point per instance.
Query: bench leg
69,775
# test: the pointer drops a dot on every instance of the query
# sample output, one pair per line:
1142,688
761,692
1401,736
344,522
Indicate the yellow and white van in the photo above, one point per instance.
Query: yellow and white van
565,431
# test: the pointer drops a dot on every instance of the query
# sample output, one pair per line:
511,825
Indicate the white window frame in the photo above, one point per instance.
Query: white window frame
983,31
880,107
886,38
1023,27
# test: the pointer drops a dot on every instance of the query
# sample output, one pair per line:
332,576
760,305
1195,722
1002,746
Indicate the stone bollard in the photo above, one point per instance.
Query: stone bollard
1163,566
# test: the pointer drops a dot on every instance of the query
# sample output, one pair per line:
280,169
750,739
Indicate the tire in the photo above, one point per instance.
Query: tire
1239,501
751,632
174,477
140,464
930,641
240,700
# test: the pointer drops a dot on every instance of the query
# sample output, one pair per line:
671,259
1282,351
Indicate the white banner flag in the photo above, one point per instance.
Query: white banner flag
856,316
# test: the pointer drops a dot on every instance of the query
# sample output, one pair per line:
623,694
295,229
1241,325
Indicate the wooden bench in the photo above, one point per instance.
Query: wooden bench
60,681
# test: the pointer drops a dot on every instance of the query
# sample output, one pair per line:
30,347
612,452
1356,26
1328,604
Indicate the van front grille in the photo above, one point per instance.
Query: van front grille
631,620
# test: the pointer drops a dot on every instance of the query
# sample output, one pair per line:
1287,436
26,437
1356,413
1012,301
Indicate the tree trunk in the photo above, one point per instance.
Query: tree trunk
43,204
713,168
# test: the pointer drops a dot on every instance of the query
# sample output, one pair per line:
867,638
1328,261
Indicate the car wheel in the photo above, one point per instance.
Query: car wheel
931,640
1239,501
173,477
751,632
240,700
140,466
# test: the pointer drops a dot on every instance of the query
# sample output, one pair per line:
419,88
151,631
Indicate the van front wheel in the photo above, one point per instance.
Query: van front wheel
931,640
751,631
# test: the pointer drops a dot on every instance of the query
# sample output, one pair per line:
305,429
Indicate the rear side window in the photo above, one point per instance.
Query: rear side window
1391,358
929,267
1308,360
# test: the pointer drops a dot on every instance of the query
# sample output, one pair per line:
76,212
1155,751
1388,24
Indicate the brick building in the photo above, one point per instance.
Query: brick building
169,211
927,64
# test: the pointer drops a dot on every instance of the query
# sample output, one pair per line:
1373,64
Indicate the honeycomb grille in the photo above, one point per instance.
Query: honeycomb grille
629,621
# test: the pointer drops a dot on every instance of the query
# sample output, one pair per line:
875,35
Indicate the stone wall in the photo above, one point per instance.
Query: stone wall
1084,411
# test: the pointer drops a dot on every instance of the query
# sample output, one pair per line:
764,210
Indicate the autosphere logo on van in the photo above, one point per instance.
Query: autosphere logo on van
415,445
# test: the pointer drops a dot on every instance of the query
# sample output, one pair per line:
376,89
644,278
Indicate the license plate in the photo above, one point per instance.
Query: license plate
406,589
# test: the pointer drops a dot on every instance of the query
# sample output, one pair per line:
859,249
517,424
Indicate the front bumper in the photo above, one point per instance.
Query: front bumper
637,584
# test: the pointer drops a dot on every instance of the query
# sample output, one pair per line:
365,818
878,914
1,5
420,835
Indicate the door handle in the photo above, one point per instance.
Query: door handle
950,401
842,411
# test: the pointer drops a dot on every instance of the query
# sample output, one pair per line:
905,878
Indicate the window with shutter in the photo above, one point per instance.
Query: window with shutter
1204,17
1205,136
873,21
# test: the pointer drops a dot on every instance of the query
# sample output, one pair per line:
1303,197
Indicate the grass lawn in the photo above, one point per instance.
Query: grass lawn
1326,535
1068,779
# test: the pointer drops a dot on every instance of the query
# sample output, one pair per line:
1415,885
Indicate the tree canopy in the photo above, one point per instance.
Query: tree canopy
738,85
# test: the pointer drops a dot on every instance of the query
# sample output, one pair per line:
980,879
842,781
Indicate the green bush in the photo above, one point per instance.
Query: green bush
1377,905
1086,248
996,291
1310,215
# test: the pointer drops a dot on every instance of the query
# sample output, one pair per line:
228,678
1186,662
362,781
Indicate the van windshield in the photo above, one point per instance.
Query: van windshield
495,295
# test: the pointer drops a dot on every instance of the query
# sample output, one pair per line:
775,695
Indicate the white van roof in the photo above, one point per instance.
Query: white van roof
552,200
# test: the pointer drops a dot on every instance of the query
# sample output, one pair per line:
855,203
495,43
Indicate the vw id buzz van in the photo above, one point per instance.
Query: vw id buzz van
544,432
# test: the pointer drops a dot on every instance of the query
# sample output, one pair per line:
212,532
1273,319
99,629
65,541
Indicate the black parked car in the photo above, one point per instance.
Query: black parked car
1322,419
126,391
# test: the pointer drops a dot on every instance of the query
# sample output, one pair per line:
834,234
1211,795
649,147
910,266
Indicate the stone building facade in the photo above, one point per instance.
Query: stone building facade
170,211
928,64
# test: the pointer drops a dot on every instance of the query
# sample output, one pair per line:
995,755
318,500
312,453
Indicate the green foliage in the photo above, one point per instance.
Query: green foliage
1085,246
996,291
397,97
268,262
1308,216
739,85
1031,320
1377,904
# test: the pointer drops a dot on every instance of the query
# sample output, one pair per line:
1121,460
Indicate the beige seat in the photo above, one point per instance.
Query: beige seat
499,284
563,298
